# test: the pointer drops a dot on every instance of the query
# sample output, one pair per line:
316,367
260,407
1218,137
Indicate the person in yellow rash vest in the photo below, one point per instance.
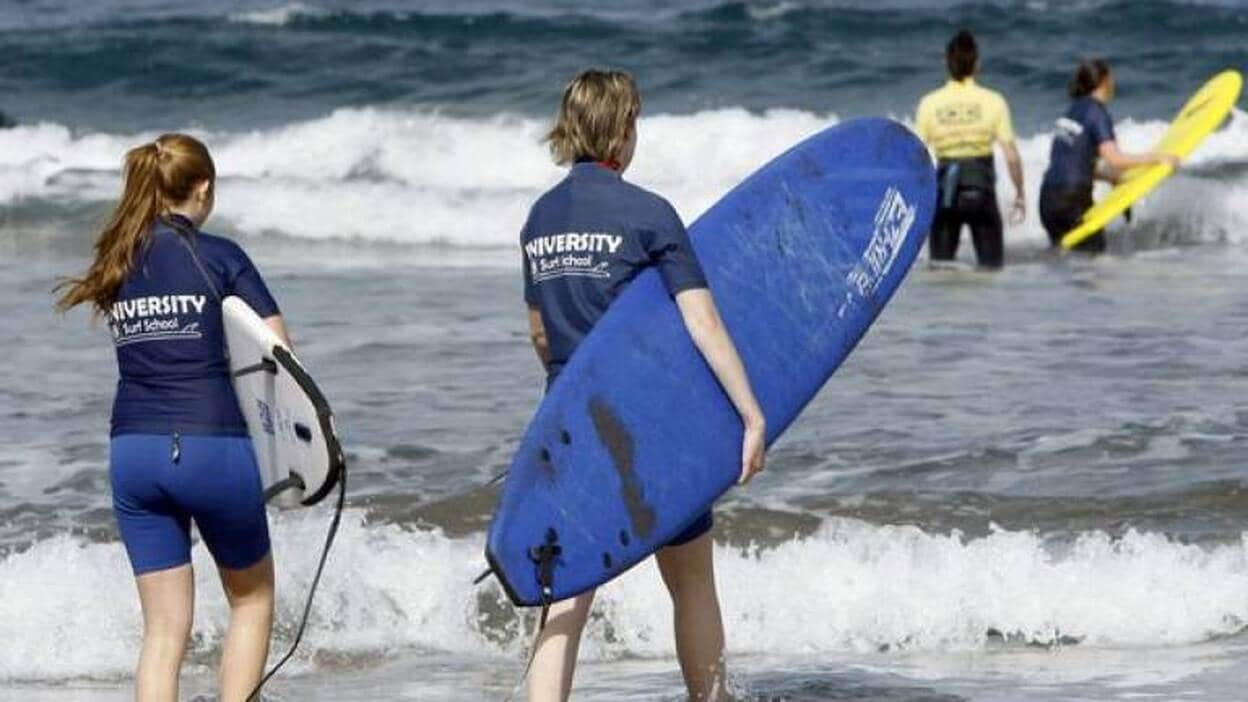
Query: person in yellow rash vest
960,122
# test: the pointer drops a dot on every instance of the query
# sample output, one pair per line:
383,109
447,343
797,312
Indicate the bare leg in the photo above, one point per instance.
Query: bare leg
250,593
550,680
168,601
689,572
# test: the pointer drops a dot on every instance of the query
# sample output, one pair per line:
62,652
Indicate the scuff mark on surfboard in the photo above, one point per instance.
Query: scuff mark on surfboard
619,444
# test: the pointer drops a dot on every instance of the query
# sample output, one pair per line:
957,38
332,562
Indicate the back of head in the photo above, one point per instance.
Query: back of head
962,55
598,111
1088,77
158,175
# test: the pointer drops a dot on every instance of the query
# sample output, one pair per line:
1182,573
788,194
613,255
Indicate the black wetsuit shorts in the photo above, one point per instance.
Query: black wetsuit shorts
1060,211
968,197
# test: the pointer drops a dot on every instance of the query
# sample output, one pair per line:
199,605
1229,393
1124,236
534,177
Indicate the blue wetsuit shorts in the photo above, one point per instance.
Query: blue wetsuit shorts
162,481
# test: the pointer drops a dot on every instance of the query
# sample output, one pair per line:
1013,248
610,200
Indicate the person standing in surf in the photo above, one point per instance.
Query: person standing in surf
620,230
179,449
1081,136
960,122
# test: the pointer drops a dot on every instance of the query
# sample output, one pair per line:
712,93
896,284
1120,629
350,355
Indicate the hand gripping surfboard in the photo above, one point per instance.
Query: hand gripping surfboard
1201,115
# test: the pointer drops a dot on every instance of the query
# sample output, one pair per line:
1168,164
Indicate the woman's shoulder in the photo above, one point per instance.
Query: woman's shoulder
651,211
217,241
649,201
220,247
994,96
1088,105
615,194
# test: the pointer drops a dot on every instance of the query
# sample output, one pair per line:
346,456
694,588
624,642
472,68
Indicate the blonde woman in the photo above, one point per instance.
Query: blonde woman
179,449
625,230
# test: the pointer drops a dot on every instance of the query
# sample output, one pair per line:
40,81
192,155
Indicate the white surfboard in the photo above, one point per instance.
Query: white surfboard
288,418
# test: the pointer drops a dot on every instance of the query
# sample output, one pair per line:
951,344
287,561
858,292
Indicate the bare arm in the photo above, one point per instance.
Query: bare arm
278,325
705,327
1104,171
1119,161
1014,163
537,335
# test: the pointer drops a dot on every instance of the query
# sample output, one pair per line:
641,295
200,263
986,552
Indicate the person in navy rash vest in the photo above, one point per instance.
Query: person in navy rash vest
1081,136
584,241
180,449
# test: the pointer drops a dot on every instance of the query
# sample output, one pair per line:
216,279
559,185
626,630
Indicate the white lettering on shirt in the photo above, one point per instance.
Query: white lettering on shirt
571,254
1068,130
156,318
543,246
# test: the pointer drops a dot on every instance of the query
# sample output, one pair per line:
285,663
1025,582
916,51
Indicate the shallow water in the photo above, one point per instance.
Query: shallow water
1049,456
1022,486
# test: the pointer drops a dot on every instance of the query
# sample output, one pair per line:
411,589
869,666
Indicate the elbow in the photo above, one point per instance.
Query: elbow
702,320
541,345
704,326
1114,159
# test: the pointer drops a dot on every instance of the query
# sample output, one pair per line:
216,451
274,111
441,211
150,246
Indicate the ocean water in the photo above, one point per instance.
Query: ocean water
1022,486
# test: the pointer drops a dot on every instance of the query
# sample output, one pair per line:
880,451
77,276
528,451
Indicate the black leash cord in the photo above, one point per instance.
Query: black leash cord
544,558
316,580
537,638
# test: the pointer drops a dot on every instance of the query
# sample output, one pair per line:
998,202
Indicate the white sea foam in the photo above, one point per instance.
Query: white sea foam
767,12
276,16
424,177
851,587
1192,205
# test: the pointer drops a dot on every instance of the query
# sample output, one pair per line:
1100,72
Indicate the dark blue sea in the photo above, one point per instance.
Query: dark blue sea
1023,486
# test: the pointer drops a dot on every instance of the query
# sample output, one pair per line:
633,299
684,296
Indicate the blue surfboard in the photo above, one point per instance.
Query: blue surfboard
637,439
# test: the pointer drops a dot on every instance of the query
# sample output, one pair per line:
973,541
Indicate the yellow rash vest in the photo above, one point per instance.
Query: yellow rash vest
962,120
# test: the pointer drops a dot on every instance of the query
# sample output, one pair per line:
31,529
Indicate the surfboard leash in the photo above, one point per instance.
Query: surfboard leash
528,666
316,580
541,622
270,365
544,558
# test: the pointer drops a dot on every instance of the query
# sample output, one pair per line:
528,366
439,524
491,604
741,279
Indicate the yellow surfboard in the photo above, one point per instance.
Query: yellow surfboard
1202,114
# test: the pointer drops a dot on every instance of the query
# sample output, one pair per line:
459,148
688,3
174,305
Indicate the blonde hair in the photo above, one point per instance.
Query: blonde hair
597,112
157,175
